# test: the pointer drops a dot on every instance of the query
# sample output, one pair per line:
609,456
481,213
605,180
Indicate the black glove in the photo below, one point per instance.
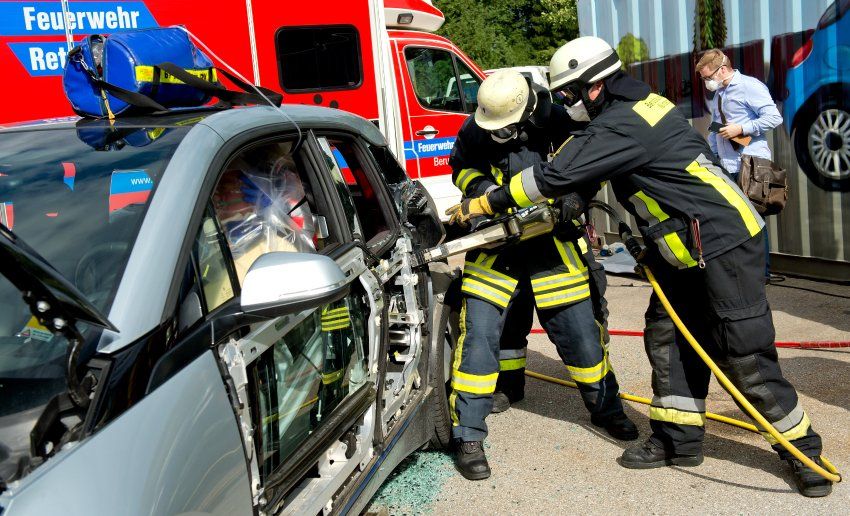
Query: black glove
572,206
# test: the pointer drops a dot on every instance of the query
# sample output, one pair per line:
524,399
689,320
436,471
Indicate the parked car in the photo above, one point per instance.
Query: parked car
213,312
537,74
817,109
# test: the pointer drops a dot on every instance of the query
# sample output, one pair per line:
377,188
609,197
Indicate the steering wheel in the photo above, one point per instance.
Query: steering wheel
91,277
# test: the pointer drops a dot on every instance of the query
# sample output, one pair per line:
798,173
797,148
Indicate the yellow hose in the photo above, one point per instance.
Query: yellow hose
830,473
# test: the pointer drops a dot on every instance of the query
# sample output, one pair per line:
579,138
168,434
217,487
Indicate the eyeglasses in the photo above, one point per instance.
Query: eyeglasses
709,77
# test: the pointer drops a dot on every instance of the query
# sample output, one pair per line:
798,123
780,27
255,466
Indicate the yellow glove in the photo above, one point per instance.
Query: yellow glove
469,208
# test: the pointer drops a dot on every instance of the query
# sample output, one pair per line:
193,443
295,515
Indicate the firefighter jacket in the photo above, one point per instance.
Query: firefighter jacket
557,273
662,171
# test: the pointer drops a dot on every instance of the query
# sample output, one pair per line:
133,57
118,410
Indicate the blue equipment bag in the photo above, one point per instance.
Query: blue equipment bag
147,70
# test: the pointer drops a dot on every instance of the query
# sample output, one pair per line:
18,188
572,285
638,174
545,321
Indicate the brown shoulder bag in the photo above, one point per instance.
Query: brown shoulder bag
764,183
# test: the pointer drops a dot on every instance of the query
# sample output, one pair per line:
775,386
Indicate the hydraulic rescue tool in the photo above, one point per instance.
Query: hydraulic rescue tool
524,224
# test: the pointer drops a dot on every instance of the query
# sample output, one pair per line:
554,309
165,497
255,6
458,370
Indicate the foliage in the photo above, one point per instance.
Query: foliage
709,25
632,50
499,33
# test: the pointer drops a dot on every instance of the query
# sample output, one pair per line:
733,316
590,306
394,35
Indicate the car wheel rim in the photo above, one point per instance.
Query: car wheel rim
829,144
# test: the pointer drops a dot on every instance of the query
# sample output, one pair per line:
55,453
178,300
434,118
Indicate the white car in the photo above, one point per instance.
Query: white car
538,74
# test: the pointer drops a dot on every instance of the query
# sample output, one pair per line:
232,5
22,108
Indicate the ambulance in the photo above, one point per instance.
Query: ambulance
379,59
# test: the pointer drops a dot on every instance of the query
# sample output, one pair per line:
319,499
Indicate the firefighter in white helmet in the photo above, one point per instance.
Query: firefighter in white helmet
705,246
514,127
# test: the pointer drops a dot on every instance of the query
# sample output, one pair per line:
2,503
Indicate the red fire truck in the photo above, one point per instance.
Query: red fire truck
379,59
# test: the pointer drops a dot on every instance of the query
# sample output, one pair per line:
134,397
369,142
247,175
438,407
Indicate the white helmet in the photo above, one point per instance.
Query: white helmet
583,60
504,98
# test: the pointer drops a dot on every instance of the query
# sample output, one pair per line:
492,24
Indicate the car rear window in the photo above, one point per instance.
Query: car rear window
78,195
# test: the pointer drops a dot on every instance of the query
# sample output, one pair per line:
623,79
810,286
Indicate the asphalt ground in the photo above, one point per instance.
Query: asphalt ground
546,457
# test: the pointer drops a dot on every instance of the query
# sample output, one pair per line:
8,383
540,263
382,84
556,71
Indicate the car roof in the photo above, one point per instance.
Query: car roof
229,122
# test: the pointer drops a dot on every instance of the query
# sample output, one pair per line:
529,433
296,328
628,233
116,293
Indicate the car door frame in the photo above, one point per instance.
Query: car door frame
221,322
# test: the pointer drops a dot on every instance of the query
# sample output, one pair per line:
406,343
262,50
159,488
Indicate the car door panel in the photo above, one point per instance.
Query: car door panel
177,451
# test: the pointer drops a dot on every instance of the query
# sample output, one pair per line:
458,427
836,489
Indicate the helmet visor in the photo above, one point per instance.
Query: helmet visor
509,132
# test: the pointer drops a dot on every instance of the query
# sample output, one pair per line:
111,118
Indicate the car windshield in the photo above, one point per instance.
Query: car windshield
77,196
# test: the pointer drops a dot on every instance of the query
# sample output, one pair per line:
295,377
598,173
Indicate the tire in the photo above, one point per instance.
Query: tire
822,139
443,339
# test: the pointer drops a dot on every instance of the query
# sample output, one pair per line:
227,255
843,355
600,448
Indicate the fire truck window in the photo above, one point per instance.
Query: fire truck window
368,220
264,203
434,82
469,83
319,58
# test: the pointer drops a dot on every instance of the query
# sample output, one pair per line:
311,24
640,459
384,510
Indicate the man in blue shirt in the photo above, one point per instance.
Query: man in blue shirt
742,104
747,108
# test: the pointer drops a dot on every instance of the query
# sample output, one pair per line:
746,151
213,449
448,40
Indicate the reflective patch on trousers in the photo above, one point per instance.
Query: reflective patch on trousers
678,417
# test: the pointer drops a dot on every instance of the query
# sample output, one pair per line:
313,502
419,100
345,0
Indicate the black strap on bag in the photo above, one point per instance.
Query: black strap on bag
735,145
252,94
130,97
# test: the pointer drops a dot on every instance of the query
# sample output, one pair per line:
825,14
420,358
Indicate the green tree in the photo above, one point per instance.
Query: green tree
499,33
709,25
632,50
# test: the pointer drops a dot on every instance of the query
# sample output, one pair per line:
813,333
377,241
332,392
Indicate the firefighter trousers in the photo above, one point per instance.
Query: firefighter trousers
520,319
725,308
562,297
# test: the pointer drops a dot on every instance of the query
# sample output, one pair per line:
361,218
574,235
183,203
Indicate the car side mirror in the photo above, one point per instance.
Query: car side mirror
278,283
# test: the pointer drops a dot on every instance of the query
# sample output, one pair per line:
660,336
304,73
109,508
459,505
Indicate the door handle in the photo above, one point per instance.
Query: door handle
427,132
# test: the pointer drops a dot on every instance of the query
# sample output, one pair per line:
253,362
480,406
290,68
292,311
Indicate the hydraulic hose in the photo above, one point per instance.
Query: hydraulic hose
833,476
646,401
637,251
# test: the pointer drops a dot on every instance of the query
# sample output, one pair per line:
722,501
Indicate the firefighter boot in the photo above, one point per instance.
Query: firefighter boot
808,482
618,426
649,455
471,461
501,402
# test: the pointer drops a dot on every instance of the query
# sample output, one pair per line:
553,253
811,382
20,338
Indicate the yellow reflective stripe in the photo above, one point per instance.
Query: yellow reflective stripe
336,326
459,348
512,364
562,299
332,377
653,207
471,286
729,194
677,247
558,280
334,318
799,430
474,383
336,311
144,73
490,275
569,256
517,191
466,176
498,175
582,245
452,410
589,374
474,386
679,417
